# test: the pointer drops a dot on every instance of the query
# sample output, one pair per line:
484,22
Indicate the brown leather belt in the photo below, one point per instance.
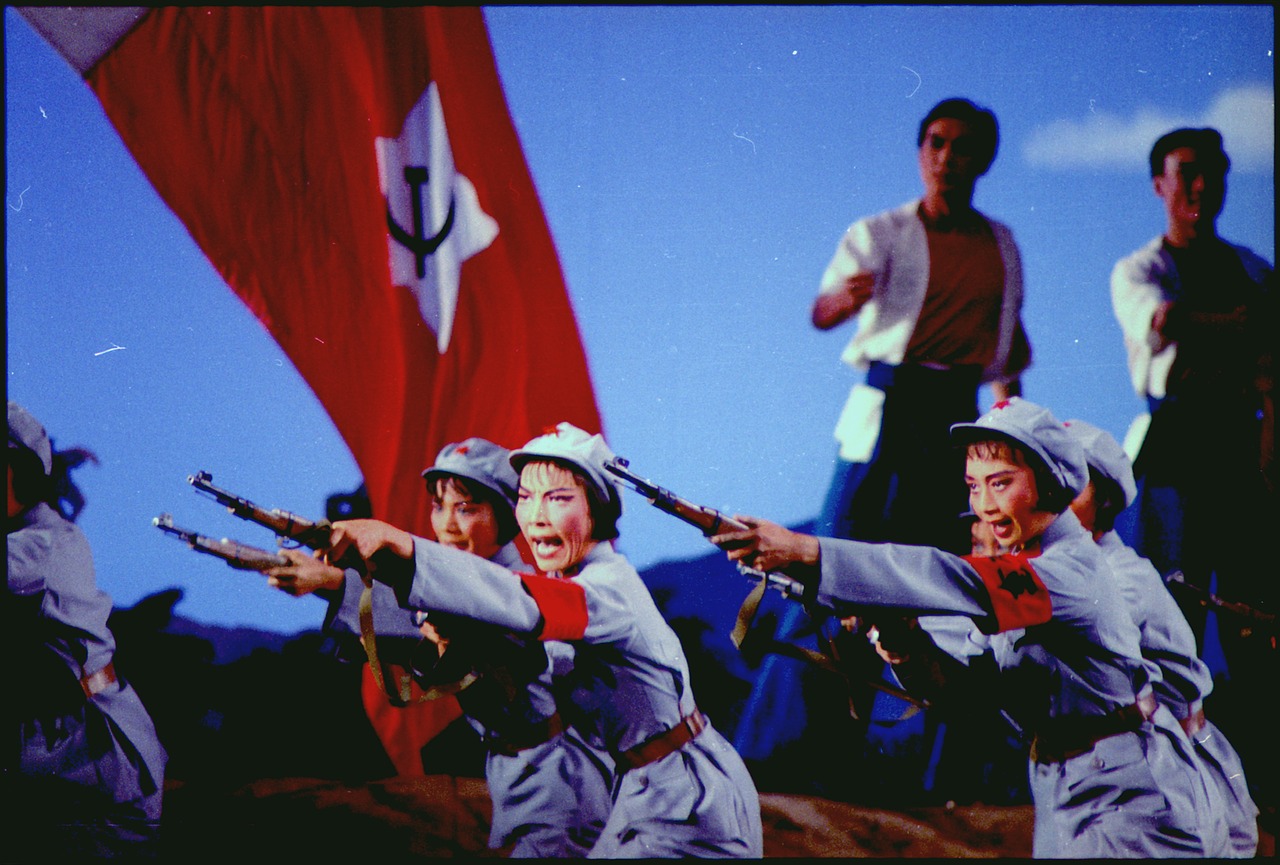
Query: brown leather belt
98,682
1063,738
656,747
530,737
1194,722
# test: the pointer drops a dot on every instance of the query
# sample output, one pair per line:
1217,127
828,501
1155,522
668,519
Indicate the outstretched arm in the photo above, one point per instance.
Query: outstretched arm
768,546
997,593
368,538
426,575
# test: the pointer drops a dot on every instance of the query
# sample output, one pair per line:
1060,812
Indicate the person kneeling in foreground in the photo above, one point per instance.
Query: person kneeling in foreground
681,790
1112,773
83,774
549,789
1167,638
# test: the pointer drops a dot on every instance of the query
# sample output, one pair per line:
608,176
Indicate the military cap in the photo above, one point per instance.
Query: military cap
1035,428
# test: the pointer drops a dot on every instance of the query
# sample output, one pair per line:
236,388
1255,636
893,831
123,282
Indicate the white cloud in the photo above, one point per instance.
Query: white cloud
1244,115
1247,120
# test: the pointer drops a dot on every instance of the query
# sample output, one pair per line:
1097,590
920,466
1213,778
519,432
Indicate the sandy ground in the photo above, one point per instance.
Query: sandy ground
442,816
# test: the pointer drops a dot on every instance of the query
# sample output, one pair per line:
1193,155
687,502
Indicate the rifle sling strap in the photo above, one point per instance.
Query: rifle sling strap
397,684
830,664
823,660
383,676
747,613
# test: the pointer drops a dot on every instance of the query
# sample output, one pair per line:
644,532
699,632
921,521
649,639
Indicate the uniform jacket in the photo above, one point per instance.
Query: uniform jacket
550,800
49,562
629,682
1066,647
1186,680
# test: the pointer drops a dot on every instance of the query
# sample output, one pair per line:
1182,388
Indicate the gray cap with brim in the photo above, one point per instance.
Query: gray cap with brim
1105,455
1035,428
586,452
478,460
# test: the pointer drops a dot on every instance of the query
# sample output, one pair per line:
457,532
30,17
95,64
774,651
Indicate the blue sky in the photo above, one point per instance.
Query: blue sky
697,167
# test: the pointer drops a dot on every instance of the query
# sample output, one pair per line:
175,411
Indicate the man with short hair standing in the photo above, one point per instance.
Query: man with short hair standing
1199,321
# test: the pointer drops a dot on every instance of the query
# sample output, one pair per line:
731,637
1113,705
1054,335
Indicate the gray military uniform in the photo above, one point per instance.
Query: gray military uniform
1186,680
108,747
629,683
550,798
1136,793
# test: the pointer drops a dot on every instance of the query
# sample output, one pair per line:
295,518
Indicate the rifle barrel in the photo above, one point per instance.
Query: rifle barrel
237,555
706,519
311,533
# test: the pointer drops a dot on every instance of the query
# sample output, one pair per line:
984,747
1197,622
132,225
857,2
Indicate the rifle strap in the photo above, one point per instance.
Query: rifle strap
747,613
826,658
397,683
382,676
829,653
830,664
448,689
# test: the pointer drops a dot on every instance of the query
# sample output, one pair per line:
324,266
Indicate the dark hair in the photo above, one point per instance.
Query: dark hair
502,512
1206,142
604,514
1108,498
981,121
31,485
1054,497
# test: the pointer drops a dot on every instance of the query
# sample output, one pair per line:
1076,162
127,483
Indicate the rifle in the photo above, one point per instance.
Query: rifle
1179,586
707,520
752,643
235,554
314,534
288,526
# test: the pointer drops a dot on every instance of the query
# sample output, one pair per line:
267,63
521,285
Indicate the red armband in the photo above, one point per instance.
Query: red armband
562,603
1018,597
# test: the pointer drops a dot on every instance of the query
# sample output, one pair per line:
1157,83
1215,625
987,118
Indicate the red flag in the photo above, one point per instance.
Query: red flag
354,175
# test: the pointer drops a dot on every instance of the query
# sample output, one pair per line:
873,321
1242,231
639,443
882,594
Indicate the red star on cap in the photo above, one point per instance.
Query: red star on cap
463,449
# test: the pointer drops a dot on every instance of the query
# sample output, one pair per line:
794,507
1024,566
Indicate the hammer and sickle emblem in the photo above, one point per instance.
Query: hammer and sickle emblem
417,242
1017,582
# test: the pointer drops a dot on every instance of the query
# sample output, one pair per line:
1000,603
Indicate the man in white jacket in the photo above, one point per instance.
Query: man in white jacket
1199,320
936,290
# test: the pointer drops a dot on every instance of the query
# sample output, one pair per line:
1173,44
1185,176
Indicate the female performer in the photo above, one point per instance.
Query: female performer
681,788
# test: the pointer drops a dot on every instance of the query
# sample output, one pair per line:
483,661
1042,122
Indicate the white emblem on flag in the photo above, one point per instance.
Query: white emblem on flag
434,218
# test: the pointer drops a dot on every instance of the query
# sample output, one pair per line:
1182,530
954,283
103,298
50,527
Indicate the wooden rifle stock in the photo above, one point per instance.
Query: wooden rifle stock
240,556
288,526
310,533
707,520
1178,586
315,534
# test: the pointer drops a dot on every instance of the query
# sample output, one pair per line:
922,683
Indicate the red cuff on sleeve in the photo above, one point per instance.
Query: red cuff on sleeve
563,605
1018,597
